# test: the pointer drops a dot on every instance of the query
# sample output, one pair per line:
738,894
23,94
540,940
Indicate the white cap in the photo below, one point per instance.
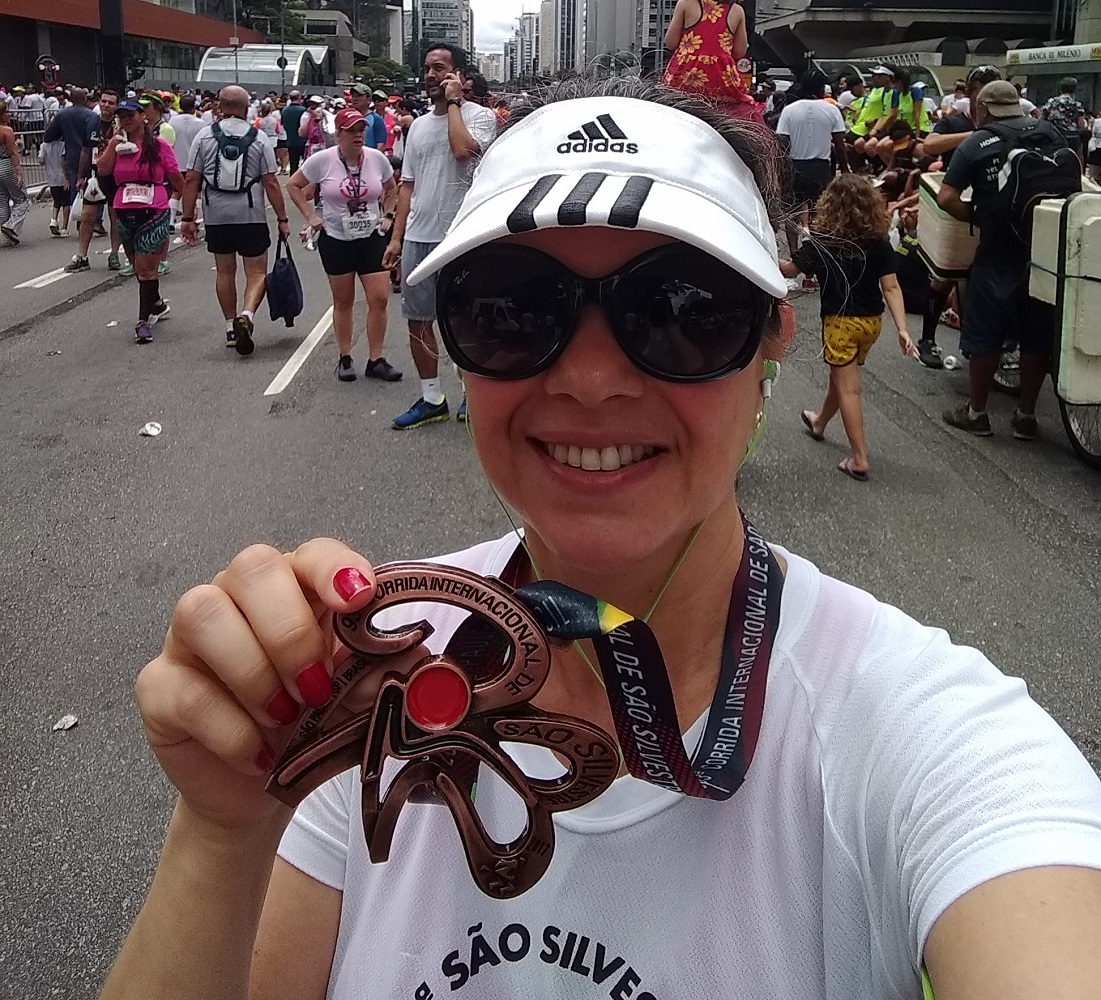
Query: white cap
317,99
881,71
618,162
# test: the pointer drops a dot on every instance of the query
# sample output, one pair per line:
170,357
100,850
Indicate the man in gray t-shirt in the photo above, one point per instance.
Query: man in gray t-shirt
441,151
235,210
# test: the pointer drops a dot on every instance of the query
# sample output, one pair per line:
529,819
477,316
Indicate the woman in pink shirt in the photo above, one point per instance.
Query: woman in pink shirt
144,167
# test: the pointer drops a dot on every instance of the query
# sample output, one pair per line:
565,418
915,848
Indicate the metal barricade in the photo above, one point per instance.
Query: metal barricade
30,127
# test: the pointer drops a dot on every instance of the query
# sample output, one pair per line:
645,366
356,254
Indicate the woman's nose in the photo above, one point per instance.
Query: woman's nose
593,367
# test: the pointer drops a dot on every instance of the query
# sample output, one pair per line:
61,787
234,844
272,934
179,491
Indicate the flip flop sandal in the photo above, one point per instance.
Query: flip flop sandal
809,425
846,467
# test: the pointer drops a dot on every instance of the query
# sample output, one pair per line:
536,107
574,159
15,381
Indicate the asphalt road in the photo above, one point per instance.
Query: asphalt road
997,541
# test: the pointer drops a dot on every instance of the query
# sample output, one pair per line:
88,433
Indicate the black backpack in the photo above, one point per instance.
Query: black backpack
1039,165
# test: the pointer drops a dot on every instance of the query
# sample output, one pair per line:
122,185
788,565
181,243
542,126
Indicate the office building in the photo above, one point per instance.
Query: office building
493,67
166,41
546,38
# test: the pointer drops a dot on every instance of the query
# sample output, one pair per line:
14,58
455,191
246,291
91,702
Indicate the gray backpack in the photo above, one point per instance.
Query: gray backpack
228,169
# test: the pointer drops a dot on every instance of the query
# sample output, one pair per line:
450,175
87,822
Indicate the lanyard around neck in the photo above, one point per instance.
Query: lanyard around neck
637,681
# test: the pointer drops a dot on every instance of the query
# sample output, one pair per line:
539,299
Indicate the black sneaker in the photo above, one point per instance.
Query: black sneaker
960,417
231,338
1023,425
930,354
345,370
381,369
78,263
242,327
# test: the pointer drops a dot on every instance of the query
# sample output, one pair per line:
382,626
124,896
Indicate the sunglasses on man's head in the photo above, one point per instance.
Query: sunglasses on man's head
679,314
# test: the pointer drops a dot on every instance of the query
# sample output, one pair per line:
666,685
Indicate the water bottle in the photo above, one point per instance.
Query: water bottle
951,363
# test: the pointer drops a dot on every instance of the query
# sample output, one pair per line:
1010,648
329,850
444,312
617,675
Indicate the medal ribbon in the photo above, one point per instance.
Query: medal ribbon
638,686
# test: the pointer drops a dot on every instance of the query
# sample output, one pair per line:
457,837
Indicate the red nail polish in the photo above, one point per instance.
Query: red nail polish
315,685
283,708
349,583
265,759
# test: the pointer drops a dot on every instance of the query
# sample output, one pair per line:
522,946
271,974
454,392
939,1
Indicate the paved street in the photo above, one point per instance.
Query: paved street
997,541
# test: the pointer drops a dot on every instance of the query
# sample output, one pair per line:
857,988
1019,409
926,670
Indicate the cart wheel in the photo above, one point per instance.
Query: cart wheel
1008,376
1083,424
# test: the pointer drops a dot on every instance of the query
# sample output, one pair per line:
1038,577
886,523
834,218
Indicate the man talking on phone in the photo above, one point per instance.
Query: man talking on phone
441,150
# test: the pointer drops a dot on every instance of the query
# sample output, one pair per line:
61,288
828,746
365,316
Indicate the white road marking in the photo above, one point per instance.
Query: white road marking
298,359
44,279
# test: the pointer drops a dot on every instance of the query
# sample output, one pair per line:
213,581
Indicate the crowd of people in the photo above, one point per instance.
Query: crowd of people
818,797
378,177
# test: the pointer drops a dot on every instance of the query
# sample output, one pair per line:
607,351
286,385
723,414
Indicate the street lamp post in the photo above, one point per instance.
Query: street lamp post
236,45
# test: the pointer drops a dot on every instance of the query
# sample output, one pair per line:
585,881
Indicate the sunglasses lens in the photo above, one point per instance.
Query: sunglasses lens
502,314
685,316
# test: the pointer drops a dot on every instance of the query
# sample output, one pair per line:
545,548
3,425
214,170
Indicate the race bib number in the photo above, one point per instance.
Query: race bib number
137,194
359,226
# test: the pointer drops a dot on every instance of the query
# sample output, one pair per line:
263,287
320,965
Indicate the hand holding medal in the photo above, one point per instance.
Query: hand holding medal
447,715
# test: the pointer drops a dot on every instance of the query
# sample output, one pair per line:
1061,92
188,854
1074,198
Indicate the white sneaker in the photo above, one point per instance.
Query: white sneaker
64,233
155,316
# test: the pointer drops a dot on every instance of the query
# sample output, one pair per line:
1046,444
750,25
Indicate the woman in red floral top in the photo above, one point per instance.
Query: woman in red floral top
707,38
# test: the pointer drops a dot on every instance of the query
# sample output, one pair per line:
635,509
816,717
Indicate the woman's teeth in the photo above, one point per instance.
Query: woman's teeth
599,459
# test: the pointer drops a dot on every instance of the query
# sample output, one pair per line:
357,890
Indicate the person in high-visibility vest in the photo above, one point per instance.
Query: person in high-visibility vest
872,109
905,103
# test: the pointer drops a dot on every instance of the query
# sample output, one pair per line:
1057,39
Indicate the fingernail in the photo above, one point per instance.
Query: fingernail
283,708
265,759
314,685
349,583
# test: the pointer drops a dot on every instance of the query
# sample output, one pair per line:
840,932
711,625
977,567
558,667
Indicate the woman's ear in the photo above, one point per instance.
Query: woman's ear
780,331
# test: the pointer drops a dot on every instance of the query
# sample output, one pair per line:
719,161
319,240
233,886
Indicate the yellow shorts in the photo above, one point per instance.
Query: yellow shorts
846,339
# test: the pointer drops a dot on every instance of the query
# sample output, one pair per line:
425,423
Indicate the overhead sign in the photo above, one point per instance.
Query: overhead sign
1053,54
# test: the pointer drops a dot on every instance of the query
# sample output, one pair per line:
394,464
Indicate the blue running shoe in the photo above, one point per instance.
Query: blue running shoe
460,413
421,413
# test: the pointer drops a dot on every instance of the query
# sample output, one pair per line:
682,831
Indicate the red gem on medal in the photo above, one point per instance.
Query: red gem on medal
437,697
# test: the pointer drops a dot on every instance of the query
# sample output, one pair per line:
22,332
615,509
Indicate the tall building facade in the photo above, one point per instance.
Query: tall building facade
527,40
610,26
449,21
651,23
546,37
569,35
166,40
493,66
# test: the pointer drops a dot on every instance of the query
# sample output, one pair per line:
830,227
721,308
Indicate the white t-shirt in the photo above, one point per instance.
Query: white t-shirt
349,205
187,127
440,180
810,126
893,773
1027,106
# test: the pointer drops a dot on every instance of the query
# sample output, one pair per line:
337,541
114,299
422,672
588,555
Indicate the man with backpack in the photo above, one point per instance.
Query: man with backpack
235,168
1010,163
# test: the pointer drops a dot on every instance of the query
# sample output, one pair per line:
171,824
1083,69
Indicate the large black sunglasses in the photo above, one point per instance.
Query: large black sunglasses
679,314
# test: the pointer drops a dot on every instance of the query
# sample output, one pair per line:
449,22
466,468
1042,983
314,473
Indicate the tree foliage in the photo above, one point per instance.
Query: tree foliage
265,16
380,71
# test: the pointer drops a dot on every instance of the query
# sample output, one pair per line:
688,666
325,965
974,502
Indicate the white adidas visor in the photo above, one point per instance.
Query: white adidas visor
622,163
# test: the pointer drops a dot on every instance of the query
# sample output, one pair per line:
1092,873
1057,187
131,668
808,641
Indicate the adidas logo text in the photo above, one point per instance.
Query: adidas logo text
600,136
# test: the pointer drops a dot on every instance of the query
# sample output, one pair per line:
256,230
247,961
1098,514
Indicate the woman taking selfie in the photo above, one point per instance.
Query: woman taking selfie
358,200
143,166
854,797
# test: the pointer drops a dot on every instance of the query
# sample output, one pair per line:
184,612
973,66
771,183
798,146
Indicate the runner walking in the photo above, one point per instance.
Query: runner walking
235,168
13,195
143,168
358,202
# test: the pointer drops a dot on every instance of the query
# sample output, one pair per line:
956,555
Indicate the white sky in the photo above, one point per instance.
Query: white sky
495,20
